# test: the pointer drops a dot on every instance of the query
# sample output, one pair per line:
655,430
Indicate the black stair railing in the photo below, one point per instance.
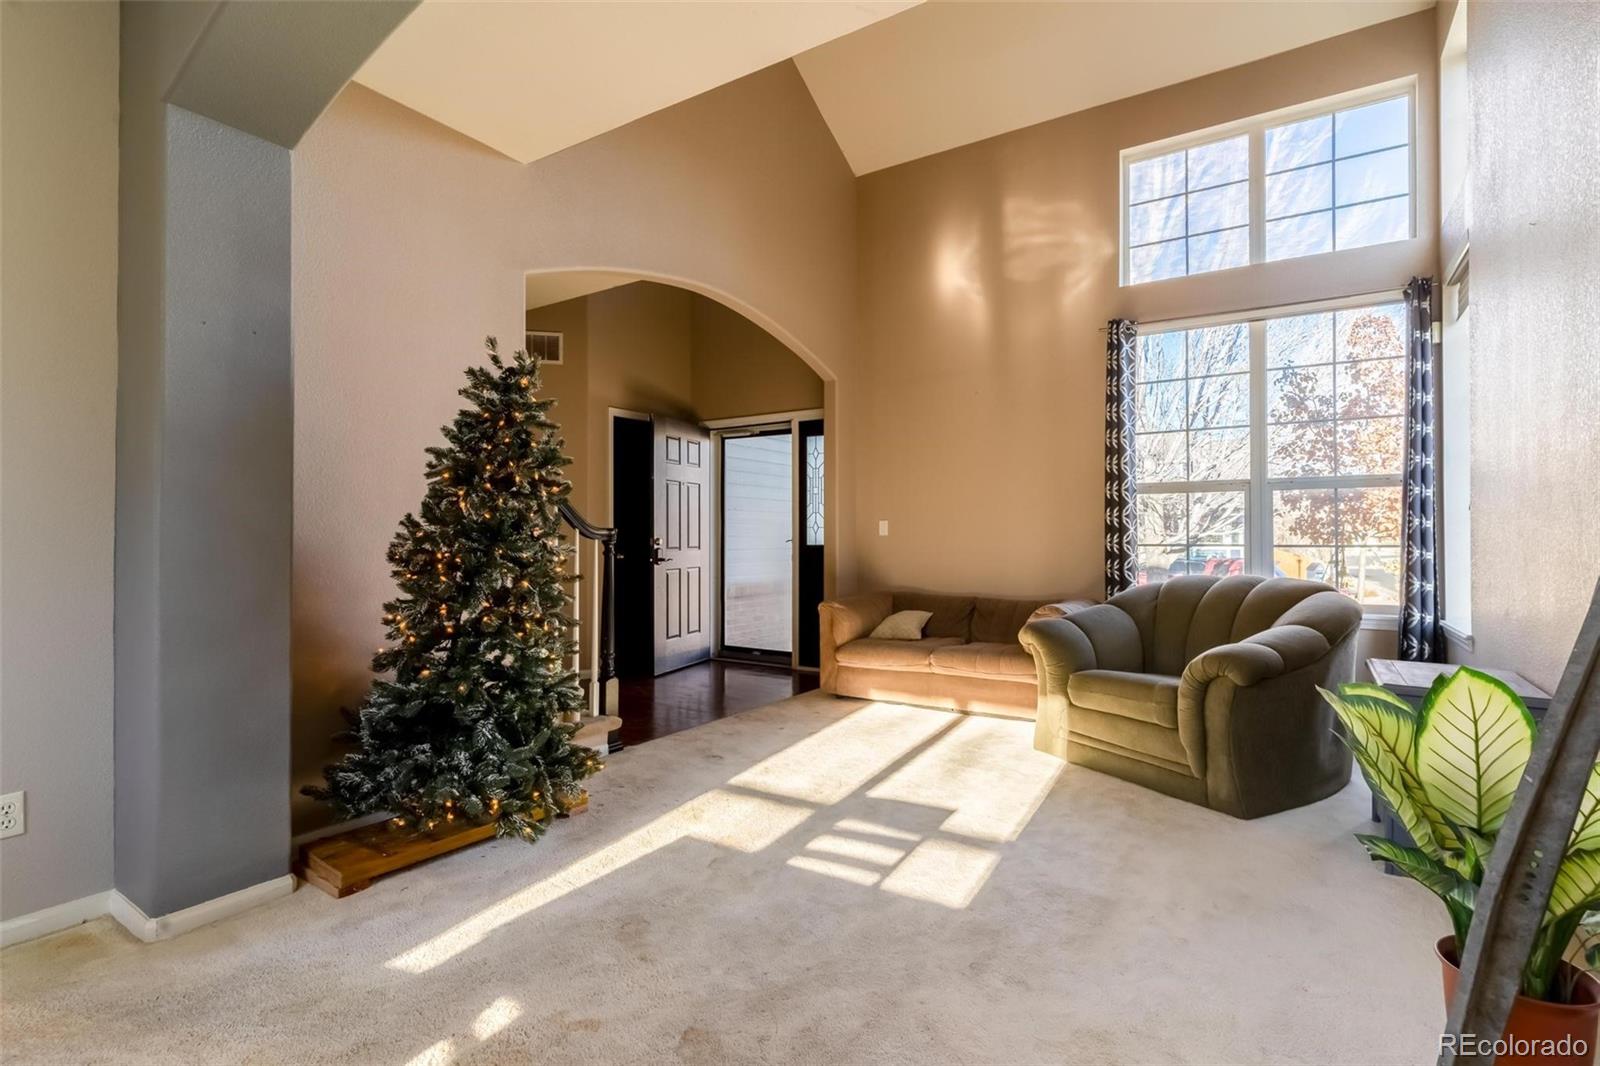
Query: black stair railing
606,537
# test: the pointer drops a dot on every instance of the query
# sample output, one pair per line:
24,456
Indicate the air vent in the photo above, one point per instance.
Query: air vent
544,347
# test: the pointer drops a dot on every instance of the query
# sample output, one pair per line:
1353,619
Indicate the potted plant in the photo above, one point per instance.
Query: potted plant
1449,771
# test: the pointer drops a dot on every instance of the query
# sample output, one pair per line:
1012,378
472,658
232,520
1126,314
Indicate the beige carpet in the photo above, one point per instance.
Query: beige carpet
815,881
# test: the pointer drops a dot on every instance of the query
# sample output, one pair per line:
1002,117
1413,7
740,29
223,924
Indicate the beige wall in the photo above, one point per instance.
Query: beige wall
986,273
1535,317
58,364
740,369
568,384
411,242
662,350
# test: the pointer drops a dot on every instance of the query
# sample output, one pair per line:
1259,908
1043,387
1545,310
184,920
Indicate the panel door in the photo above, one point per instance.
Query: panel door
681,548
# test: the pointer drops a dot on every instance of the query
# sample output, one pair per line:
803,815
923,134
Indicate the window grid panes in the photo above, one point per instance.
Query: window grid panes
1339,180
1331,447
1189,211
1192,451
1328,182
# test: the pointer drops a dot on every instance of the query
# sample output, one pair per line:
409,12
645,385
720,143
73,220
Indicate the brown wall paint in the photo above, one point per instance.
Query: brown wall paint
986,273
411,242
740,369
659,349
1535,386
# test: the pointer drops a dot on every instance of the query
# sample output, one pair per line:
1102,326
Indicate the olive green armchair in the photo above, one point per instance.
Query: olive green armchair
1203,688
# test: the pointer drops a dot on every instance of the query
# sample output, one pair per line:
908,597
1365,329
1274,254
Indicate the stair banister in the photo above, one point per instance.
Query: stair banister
606,538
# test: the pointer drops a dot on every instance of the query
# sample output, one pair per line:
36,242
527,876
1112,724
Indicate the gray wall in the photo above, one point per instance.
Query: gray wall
58,380
205,432
203,523
1535,238
221,717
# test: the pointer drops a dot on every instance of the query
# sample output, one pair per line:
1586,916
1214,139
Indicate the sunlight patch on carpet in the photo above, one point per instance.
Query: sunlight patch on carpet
732,820
495,1017
440,1054
946,872
833,762
983,772
964,785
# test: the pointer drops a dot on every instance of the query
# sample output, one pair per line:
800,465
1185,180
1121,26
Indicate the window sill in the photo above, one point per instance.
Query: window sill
1461,638
1384,623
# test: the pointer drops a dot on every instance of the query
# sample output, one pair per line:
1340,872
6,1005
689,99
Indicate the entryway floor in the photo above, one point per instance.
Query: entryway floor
656,706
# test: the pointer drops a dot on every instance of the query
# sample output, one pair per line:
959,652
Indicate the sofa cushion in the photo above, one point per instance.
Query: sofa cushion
872,654
998,621
1145,697
952,615
1001,662
902,625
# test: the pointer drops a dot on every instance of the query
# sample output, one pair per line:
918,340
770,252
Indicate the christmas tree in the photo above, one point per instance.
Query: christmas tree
468,718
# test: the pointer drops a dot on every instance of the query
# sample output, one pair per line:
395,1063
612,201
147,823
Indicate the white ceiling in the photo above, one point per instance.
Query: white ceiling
529,79
949,73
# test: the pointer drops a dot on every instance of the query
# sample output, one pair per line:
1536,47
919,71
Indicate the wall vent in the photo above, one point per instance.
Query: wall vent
545,347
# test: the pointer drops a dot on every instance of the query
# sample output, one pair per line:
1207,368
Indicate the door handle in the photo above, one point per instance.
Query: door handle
656,558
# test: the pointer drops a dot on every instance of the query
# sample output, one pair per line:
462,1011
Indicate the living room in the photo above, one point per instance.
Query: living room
1188,310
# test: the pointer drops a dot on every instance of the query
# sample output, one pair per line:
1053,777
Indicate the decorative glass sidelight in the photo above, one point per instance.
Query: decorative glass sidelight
814,491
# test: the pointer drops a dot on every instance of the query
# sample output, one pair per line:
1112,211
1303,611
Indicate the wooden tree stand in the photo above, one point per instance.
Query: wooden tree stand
347,862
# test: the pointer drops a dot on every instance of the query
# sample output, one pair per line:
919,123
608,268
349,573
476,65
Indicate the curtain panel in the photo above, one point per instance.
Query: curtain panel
1121,521
1420,636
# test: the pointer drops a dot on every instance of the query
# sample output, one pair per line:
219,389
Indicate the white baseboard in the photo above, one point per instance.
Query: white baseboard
148,929
53,919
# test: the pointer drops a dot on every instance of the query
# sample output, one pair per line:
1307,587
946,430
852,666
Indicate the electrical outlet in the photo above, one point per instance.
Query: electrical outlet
883,527
13,814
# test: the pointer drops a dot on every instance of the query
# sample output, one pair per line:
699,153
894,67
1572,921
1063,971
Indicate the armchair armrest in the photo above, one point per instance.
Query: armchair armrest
1059,649
843,620
1270,653
1060,609
1262,738
853,617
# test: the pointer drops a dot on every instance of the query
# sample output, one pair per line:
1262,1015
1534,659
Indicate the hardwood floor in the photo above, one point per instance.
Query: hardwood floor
656,706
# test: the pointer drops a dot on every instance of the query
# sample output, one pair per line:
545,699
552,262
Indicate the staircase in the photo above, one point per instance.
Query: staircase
595,665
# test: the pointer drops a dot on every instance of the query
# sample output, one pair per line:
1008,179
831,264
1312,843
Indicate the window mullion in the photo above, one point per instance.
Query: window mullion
1258,536
1258,195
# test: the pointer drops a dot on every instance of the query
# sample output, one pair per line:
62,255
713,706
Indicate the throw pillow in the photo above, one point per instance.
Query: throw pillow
902,625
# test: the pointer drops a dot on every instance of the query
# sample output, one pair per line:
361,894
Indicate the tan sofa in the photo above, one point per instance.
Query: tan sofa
969,658
1203,688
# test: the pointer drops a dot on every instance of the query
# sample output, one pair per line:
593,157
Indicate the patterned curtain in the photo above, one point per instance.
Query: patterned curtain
1121,524
1420,639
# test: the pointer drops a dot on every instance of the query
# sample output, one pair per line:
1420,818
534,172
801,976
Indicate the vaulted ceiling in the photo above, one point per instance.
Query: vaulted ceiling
532,78
949,73
895,80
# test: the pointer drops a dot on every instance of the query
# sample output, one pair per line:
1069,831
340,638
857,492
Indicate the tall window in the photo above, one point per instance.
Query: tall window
1318,178
1275,447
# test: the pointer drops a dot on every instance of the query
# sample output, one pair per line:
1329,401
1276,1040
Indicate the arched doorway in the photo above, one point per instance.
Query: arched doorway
696,433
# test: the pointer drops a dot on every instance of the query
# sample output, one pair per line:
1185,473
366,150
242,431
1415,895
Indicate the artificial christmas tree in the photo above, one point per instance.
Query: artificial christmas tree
469,718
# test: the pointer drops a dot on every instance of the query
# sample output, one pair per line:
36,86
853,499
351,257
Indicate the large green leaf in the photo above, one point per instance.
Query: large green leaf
1376,692
1473,740
1459,894
1577,886
1586,830
1382,737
